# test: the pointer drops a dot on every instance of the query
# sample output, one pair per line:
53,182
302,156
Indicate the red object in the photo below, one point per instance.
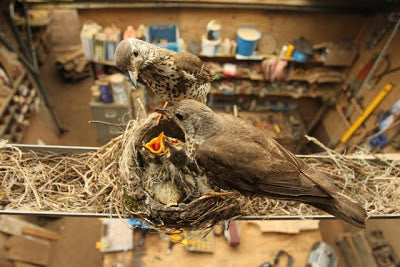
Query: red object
232,233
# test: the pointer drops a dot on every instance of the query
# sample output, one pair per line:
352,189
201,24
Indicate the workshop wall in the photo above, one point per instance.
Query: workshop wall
285,27
332,119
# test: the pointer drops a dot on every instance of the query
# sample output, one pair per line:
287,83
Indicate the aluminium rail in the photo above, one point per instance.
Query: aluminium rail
80,149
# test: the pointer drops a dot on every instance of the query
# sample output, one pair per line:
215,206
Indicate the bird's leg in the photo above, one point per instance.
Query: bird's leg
220,195
159,116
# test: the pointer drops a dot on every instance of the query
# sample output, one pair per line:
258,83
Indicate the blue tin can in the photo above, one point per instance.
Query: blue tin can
247,38
105,92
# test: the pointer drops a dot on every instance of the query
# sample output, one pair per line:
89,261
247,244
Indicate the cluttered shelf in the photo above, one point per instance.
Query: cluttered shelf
219,57
316,75
15,85
17,107
292,94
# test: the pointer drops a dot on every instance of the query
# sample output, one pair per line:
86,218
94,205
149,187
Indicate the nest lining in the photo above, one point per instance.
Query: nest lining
118,179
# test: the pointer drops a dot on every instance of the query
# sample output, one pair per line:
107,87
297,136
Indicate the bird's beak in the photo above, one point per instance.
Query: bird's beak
133,75
164,111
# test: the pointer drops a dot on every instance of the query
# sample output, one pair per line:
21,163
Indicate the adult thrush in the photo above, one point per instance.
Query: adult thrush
236,156
171,75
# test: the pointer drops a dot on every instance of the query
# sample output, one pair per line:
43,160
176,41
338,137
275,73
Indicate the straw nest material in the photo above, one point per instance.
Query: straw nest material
123,178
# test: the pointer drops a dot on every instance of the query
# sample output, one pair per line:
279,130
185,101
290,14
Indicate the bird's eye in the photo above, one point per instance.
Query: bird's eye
179,116
135,53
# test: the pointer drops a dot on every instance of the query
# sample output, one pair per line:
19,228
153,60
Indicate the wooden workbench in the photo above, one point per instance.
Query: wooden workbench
255,248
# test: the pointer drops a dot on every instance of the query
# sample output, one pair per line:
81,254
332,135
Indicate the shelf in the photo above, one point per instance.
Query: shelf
223,58
232,57
102,62
314,94
16,83
7,123
257,58
254,77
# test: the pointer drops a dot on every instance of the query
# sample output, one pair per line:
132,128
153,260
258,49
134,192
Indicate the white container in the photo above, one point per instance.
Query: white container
209,48
88,31
118,88
226,47
213,30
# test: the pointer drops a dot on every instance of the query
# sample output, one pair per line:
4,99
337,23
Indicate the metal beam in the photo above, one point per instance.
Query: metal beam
276,5
249,218
84,149
78,149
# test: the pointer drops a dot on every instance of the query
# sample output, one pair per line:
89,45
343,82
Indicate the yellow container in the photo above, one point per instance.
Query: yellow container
289,51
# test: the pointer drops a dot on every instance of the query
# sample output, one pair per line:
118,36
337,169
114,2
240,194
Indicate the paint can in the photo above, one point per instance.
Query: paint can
118,88
247,38
213,30
105,91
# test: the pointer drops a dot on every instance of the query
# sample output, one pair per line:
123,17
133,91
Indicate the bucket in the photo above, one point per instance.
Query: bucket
209,48
247,38
213,30
118,88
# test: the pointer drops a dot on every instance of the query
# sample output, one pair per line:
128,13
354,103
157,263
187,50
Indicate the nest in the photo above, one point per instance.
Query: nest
118,179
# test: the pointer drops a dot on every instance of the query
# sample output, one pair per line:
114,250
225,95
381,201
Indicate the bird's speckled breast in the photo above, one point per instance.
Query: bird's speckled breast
169,84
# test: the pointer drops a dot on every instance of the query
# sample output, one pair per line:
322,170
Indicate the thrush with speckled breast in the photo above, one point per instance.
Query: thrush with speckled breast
236,156
171,75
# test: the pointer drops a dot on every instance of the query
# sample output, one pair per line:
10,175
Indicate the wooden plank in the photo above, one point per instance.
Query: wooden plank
348,253
26,250
364,250
13,226
23,264
6,263
287,227
42,233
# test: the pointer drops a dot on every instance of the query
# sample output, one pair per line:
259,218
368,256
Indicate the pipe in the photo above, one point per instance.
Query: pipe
30,39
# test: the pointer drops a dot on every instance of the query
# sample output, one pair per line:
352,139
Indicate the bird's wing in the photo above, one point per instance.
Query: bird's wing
192,67
253,169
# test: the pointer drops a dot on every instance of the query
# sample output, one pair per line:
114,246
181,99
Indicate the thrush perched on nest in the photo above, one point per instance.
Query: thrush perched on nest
171,75
237,156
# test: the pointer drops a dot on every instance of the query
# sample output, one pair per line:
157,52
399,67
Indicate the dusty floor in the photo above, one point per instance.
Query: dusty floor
71,103
77,245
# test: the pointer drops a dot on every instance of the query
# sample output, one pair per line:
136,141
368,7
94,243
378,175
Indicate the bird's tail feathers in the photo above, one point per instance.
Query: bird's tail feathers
344,208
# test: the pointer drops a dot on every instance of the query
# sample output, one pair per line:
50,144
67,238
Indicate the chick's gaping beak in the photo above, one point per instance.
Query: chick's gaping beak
133,75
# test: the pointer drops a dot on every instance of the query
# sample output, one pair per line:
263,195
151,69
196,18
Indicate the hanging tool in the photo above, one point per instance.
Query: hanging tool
355,84
377,35
276,260
379,77
377,100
